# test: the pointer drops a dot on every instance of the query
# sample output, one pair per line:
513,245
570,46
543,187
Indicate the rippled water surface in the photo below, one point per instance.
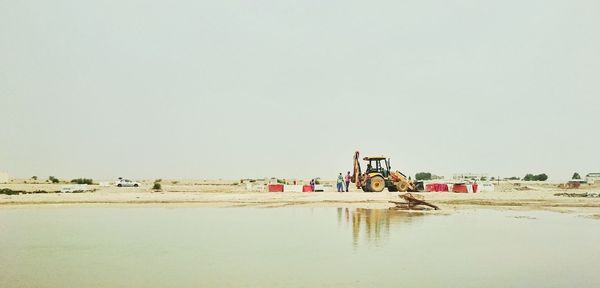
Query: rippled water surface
294,247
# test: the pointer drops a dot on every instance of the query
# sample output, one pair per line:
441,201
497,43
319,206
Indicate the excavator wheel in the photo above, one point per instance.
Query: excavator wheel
365,188
376,184
392,188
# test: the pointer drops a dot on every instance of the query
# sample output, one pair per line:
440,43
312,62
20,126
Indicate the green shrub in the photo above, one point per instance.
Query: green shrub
423,176
82,181
34,178
157,186
53,179
576,176
539,177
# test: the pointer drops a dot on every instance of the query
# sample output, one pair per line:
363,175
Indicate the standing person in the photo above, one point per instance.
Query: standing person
340,183
347,179
312,184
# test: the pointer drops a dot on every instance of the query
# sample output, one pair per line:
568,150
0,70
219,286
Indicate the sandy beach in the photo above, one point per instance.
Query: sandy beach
532,196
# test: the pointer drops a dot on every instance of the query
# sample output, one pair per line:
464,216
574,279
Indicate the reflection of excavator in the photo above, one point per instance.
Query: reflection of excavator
379,175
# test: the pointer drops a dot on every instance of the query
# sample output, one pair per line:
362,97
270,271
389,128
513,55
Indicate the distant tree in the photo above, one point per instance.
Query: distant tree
493,178
483,178
539,177
423,176
157,186
514,178
34,178
53,179
576,176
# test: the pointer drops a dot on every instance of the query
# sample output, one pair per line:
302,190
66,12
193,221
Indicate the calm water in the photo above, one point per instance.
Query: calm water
294,247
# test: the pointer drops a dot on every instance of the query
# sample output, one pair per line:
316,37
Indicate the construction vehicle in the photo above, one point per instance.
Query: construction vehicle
379,175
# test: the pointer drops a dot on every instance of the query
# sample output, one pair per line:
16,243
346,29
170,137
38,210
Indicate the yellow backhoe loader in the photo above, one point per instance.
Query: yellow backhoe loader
379,176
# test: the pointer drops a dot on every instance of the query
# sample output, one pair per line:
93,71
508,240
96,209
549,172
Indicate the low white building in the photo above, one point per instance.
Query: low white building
592,178
4,177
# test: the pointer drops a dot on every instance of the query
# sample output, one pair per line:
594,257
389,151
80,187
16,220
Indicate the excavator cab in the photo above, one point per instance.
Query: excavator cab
378,165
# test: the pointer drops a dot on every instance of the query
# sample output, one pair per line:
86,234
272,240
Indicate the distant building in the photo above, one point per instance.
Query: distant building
470,176
592,178
4,177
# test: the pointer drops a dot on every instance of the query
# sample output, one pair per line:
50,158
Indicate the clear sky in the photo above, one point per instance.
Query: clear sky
231,89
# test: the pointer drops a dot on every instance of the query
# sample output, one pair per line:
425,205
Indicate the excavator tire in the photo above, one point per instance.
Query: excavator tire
392,188
365,188
376,184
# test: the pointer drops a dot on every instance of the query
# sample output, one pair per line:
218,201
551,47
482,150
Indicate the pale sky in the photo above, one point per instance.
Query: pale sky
232,89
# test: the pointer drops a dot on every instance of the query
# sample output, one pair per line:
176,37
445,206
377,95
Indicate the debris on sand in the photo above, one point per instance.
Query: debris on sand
412,201
570,185
585,195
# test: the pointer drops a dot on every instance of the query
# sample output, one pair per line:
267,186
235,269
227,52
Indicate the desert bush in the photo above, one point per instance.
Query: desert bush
423,176
576,176
34,178
7,191
82,181
539,177
53,179
157,185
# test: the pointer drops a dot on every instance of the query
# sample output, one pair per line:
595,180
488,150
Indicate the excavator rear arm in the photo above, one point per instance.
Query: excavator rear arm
356,175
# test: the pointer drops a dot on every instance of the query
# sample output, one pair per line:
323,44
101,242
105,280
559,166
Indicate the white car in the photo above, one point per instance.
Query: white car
126,183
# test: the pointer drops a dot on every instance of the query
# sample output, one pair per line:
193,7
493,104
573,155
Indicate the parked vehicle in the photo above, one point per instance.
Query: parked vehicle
379,175
126,183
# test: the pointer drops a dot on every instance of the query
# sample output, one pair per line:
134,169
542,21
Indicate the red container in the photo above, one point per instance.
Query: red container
275,187
475,187
307,188
436,187
459,188
430,187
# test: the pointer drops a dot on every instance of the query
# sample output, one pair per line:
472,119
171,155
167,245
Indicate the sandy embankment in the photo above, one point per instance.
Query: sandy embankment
219,194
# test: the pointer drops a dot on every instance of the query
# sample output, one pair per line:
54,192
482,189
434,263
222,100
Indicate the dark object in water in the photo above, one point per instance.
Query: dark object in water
412,201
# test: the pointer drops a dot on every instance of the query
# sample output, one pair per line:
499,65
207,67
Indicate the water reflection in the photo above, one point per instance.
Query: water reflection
373,225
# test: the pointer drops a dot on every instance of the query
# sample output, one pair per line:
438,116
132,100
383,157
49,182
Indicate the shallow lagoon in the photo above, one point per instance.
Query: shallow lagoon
294,247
